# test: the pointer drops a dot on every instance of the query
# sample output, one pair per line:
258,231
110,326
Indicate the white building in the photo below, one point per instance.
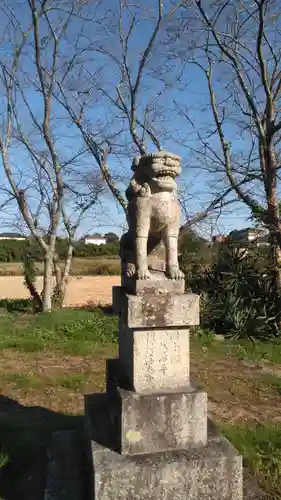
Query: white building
94,240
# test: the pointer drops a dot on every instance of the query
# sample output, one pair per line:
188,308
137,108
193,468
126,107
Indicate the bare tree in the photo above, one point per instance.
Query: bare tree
40,162
135,83
236,46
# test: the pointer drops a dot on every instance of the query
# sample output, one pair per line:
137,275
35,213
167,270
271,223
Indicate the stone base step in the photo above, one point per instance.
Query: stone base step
158,283
140,423
70,477
208,473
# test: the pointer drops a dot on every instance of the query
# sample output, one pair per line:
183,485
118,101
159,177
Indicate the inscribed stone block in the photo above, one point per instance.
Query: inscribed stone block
154,360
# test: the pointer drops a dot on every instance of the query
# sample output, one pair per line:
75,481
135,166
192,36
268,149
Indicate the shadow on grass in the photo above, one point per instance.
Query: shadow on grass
25,433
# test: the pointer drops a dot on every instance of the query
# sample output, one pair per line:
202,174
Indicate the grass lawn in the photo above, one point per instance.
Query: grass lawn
49,361
80,267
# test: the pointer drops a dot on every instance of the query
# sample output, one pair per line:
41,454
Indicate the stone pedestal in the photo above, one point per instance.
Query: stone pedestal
212,472
148,434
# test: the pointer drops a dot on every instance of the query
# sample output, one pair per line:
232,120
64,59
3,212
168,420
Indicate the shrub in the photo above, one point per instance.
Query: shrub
16,305
82,250
237,295
190,243
109,269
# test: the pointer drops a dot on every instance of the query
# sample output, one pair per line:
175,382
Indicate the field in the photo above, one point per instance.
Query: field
84,287
81,289
80,267
49,361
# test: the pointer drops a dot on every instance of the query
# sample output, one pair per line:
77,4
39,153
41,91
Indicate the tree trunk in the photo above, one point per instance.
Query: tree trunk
30,269
269,169
65,277
47,283
275,267
37,300
62,280
275,252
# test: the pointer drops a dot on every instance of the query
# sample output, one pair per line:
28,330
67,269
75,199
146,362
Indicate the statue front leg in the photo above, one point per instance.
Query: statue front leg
172,264
142,271
142,230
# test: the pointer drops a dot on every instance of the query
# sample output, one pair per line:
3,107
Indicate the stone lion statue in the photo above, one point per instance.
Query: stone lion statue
154,216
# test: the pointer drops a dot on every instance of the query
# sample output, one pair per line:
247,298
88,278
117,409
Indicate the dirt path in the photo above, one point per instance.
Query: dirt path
81,289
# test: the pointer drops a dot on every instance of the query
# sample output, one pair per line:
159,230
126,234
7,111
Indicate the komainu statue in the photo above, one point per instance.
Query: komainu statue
154,216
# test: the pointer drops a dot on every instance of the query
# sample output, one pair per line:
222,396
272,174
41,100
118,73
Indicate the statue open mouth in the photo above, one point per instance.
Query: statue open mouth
166,175
165,180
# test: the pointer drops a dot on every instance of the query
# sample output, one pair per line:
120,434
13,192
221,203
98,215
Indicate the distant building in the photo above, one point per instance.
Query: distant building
245,236
12,236
95,240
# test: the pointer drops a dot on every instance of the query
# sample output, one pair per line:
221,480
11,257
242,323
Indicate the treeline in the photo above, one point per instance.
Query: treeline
15,250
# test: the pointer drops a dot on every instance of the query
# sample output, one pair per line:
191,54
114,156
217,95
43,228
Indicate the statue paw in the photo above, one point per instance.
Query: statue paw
145,190
131,270
143,274
174,273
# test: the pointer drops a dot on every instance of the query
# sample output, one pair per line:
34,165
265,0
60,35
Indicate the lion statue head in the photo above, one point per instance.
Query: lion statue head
154,171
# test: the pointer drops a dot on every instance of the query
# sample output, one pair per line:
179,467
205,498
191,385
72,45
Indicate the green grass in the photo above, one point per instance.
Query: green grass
74,382
242,349
72,331
4,459
21,380
261,449
272,381
259,351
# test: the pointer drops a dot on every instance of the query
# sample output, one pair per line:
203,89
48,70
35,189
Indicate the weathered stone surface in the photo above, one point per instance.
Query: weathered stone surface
208,473
152,311
156,309
156,259
154,360
155,422
157,284
252,491
76,482
154,216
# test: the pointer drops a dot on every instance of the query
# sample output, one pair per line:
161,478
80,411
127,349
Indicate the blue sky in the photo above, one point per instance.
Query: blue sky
196,182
